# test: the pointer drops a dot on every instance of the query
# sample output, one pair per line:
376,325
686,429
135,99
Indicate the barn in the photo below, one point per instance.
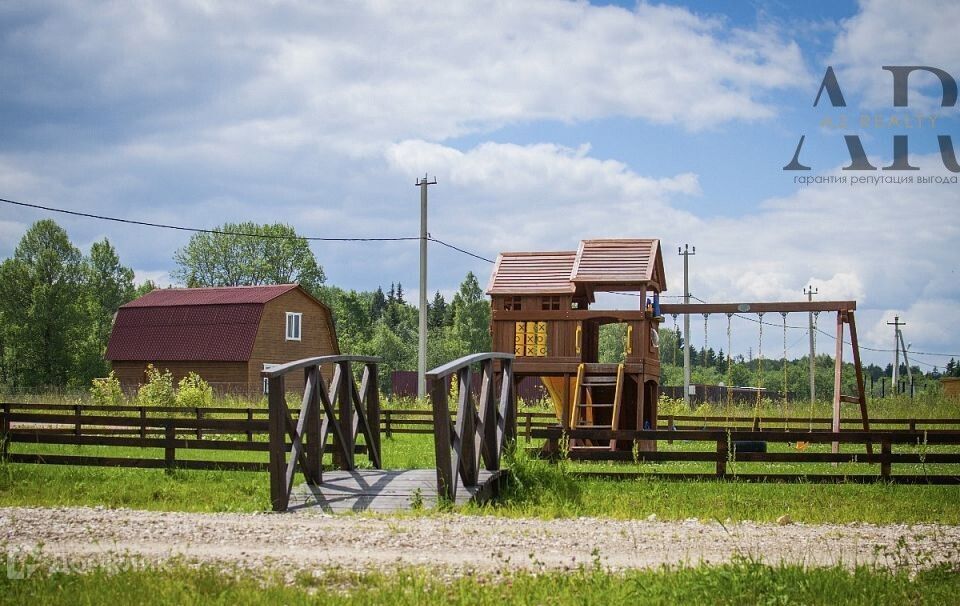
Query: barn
224,334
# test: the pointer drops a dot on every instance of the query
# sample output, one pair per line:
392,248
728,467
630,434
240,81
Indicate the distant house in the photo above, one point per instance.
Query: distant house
225,335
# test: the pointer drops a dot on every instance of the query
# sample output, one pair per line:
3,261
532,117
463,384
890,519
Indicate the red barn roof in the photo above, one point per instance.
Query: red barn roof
191,324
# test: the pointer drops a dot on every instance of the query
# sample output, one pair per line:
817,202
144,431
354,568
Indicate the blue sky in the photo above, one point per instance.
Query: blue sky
544,122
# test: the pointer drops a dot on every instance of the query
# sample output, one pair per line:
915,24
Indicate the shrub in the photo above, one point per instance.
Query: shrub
158,390
193,391
107,392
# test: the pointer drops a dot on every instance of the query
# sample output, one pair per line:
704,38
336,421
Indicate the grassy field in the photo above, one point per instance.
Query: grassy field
538,488
742,582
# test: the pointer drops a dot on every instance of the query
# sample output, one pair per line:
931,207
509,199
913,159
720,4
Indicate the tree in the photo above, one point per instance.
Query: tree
265,254
436,311
106,286
471,316
40,301
378,304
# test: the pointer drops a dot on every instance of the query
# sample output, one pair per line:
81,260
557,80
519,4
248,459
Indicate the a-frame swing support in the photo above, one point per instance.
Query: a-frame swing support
844,311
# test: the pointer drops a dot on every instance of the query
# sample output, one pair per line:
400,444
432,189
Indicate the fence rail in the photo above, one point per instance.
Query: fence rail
729,441
189,437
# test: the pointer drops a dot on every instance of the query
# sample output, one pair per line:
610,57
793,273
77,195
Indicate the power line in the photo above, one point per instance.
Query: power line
201,230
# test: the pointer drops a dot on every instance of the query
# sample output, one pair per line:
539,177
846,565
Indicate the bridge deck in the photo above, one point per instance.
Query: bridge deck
384,491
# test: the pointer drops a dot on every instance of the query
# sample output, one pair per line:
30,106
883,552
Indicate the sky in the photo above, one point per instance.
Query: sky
544,122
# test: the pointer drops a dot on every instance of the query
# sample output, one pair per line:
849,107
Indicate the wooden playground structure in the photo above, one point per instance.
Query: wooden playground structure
541,313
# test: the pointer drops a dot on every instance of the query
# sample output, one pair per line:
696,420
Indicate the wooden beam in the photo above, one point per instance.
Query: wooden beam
837,379
763,307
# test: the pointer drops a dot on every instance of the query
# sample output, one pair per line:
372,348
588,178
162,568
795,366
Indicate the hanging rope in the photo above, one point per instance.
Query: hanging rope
816,317
676,342
705,316
756,408
729,369
786,408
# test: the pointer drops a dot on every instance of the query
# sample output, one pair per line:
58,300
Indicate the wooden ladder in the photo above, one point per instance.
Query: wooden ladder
585,403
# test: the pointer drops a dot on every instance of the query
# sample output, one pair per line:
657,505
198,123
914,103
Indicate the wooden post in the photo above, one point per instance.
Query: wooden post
388,419
77,427
345,416
170,450
277,422
373,411
885,453
5,437
488,417
722,453
861,396
312,385
510,410
837,381
249,427
199,414
143,422
529,425
466,430
446,475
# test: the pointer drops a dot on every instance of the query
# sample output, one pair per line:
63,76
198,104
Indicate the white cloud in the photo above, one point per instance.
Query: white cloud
889,32
371,72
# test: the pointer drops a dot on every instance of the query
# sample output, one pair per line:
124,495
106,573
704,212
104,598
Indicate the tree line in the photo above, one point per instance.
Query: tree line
57,306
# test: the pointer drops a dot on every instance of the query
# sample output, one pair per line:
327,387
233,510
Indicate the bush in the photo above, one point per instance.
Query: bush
107,392
193,391
158,390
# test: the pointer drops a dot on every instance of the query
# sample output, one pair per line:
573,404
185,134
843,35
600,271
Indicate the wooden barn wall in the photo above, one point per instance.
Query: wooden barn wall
272,347
223,376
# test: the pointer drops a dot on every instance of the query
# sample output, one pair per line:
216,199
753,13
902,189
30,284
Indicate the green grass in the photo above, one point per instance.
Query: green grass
741,582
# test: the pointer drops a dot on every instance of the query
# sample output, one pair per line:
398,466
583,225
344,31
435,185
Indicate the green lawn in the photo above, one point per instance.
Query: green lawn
741,582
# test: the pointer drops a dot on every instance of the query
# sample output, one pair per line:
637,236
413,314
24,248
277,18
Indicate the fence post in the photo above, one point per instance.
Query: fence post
143,422
529,416
170,450
199,418
5,438
278,464
249,428
77,424
885,452
722,453
387,417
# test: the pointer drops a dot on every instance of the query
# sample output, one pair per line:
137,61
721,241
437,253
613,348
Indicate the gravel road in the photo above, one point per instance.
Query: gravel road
79,536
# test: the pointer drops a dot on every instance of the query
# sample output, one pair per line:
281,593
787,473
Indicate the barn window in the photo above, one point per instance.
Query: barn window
511,304
293,326
549,303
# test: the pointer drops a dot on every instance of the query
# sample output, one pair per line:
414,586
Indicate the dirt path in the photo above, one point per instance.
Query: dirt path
315,541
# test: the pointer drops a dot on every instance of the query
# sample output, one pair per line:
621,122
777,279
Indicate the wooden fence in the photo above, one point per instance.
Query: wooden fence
187,437
728,441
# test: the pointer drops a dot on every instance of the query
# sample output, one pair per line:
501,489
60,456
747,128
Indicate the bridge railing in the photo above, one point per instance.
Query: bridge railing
484,422
341,409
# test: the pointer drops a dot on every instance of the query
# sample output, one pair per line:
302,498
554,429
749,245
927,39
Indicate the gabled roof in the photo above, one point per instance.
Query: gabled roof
216,295
597,265
192,324
620,263
532,273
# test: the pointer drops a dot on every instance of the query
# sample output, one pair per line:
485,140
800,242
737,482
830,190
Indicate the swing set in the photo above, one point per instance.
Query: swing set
845,316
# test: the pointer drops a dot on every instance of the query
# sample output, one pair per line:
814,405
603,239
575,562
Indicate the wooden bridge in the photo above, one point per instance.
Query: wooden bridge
477,436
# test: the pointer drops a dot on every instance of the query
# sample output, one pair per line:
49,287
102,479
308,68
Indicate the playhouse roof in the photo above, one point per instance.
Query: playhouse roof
597,265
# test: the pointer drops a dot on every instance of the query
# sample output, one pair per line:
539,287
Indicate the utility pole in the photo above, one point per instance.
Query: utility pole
896,351
810,291
422,349
906,361
685,252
